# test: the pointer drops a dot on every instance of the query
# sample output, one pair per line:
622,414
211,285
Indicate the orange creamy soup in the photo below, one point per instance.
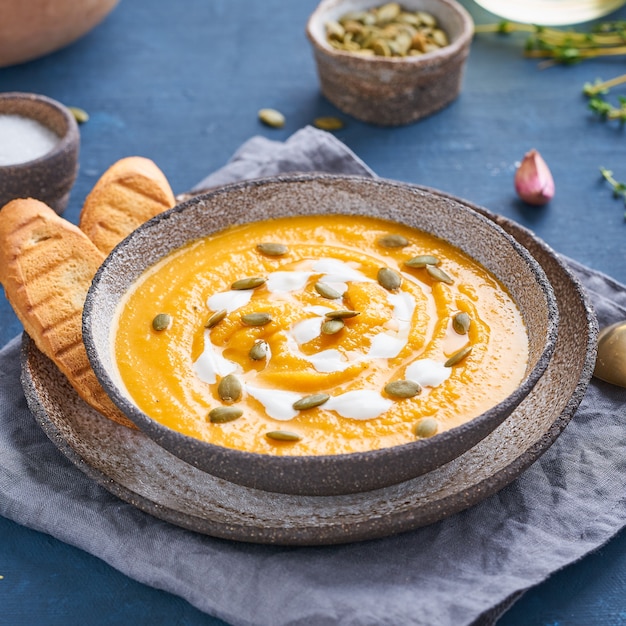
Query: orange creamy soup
318,335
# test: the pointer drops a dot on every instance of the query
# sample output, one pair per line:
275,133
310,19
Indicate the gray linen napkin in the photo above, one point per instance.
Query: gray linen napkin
466,569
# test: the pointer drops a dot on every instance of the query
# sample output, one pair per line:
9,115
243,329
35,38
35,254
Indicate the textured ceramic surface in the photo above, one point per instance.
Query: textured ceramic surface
32,28
319,195
134,468
50,177
392,91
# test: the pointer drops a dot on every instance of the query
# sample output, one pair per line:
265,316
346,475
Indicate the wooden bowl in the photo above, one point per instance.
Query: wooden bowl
321,195
31,28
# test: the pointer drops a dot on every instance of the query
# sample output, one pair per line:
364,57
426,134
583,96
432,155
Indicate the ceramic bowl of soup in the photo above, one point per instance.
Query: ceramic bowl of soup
319,334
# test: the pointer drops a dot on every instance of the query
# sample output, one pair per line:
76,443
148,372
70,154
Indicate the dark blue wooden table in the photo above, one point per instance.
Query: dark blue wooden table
181,83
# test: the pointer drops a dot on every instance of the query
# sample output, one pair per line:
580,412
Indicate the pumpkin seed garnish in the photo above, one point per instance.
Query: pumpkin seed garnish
272,117
224,414
252,282
389,279
80,115
402,389
326,291
458,356
393,241
461,323
328,123
426,427
229,389
258,351
422,260
438,274
283,435
216,318
272,249
162,321
343,314
310,402
256,319
332,327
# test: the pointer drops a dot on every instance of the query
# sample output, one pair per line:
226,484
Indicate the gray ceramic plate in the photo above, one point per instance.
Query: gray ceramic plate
134,468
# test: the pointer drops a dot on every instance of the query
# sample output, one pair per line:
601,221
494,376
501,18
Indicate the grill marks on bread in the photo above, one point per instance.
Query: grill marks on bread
46,267
129,193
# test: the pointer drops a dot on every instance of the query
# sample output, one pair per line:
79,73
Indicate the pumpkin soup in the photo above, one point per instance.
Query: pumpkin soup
318,335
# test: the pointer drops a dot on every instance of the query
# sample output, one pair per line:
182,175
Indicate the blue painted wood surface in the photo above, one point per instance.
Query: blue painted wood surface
181,83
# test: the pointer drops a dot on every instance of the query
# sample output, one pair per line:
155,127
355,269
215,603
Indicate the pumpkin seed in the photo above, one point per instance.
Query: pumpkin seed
402,389
381,48
342,314
216,318
256,319
283,435
328,122
393,241
272,117
310,402
389,279
272,249
426,427
422,260
162,321
426,18
251,282
458,356
438,274
461,323
229,389
80,115
259,351
388,12
224,414
332,327
334,30
326,291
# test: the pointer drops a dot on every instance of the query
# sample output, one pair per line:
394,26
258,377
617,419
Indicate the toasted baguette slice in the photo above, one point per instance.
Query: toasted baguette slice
46,267
128,194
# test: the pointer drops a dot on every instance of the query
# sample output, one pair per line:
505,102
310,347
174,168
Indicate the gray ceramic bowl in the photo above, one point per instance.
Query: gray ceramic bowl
391,91
50,177
319,195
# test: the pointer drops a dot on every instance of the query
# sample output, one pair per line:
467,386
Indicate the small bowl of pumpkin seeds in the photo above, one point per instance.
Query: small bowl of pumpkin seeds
390,64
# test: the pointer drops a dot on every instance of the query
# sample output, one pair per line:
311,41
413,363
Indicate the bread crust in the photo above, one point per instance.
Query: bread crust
46,268
129,193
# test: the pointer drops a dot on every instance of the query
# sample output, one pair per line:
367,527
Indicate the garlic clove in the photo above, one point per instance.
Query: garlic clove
533,181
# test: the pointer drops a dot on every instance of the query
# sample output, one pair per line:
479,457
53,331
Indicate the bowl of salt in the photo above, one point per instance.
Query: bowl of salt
39,144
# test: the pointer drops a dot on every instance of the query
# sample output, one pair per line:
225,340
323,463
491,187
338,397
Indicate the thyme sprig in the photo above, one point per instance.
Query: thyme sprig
565,46
599,105
619,188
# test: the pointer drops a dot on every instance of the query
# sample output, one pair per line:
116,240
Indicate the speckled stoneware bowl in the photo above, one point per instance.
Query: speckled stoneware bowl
322,194
50,177
391,91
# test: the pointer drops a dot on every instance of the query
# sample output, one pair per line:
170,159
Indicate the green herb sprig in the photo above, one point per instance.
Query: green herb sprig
619,188
565,46
599,105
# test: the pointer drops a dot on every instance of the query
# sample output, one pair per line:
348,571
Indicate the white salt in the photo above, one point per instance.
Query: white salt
23,139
